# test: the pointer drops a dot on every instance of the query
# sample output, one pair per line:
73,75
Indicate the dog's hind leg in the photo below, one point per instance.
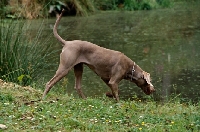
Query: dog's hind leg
60,73
78,71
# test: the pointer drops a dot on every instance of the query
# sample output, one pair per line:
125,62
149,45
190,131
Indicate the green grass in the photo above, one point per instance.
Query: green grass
20,110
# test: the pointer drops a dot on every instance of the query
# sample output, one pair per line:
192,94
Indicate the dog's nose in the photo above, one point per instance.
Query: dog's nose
152,89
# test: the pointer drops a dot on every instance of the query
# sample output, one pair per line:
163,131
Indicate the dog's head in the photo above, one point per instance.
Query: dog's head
142,79
144,82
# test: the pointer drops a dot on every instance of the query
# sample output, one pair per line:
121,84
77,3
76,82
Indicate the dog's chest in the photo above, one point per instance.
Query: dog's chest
103,72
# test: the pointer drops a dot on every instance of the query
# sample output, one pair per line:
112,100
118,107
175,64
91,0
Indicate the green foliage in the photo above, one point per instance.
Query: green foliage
106,4
131,5
164,3
41,8
3,8
136,5
22,61
145,4
56,5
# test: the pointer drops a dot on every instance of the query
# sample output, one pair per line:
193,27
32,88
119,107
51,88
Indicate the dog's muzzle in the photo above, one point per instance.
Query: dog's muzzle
148,89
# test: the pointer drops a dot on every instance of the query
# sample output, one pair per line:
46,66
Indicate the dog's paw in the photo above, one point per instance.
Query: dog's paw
109,94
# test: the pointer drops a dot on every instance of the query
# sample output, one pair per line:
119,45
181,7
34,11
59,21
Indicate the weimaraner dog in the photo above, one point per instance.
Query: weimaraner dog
112,66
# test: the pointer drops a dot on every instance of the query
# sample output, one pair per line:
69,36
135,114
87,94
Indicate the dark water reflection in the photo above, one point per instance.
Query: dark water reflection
164,42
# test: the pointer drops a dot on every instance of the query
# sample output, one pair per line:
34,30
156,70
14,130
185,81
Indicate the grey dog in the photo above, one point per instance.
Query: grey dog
112,66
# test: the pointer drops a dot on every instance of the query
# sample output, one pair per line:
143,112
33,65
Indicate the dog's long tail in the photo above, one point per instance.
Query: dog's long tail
55,29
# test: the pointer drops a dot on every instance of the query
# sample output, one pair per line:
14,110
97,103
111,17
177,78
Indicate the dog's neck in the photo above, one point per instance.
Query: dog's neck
130,73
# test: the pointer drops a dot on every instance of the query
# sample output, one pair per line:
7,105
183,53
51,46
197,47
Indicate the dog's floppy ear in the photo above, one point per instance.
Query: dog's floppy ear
147,77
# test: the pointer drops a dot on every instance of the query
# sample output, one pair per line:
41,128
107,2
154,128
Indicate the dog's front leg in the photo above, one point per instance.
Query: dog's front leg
114,87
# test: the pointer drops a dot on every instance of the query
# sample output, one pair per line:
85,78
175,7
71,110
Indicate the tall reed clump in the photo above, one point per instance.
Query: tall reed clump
21,60
83,7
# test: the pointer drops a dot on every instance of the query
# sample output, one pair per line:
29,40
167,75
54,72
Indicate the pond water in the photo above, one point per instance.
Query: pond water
163,42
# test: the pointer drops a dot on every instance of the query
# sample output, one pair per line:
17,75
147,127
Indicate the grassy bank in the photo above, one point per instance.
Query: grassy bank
20,111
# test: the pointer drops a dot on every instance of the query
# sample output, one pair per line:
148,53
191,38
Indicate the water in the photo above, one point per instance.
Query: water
163,42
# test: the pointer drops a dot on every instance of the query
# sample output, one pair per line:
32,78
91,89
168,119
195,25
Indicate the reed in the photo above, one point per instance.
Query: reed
22,60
